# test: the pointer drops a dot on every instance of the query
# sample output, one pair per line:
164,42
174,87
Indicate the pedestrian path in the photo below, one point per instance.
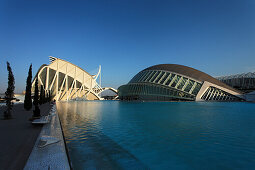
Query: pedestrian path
52,156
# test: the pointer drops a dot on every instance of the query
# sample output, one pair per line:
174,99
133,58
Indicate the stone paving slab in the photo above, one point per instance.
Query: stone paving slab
52,156
18,136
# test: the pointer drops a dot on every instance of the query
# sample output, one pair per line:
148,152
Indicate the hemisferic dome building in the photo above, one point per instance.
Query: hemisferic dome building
173,82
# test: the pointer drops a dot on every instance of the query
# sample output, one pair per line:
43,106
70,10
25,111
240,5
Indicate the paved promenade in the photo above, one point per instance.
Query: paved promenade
52,156
18,137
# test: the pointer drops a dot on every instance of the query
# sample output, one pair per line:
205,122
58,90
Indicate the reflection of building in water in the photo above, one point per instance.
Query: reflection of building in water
79,112
244,82
67,81
250,96
168,82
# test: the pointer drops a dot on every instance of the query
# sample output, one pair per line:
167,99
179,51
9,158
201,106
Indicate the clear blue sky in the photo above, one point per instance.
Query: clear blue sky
126,36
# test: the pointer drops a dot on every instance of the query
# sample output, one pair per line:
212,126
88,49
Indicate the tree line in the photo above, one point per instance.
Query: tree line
38,99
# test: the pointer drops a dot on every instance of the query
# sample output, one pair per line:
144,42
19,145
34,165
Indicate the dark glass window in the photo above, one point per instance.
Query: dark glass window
209,93
150,76
136,89
159,77
170,79
141,75
154,77
146,74
133,89
164,79
197,88
180,86
174,93
189,86
176,81
205,94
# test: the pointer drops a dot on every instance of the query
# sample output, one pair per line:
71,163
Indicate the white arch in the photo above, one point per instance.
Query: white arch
76,83
108,88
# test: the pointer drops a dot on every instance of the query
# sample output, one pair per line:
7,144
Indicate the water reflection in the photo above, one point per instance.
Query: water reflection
88,146
160,135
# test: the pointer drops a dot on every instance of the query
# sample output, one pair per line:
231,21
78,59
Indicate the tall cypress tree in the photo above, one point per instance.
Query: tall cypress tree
36,97
9,94
49,96
44,96
28,97
41,95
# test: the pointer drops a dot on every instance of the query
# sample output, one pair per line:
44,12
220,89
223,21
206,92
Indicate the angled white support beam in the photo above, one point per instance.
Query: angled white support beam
68,89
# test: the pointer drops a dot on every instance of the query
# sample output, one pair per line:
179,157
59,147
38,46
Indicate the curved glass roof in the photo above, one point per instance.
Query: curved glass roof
190,73
168,79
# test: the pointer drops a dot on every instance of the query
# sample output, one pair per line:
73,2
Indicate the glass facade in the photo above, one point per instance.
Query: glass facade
160,85
215,94
143,91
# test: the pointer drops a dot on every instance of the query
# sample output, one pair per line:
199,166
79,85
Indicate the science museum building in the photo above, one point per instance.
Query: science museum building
172,82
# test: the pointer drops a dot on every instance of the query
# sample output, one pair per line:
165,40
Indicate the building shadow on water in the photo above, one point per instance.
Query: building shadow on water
88,147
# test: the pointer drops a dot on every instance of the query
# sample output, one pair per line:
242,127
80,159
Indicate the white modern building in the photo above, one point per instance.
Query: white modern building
66,81
167,82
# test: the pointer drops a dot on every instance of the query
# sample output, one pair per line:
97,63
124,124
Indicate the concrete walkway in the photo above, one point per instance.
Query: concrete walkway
18,136
52,156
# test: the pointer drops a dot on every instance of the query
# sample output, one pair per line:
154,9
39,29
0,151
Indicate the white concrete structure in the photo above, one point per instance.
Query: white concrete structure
215,92
67,81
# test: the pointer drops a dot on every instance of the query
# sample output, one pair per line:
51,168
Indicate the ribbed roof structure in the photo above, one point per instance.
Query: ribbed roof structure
190,72
243,75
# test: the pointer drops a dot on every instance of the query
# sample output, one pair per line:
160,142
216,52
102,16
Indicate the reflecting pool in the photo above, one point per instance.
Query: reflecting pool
159,135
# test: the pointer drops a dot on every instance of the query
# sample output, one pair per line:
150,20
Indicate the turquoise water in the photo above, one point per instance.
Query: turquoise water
159,135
